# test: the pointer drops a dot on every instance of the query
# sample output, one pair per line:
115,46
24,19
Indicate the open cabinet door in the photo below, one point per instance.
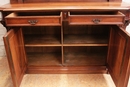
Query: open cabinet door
14,45
119,56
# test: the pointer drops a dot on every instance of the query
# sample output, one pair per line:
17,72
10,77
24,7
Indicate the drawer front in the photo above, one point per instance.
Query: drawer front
96,19
33,20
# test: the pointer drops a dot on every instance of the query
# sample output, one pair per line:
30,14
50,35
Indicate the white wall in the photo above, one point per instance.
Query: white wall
2,32
2,2
126,1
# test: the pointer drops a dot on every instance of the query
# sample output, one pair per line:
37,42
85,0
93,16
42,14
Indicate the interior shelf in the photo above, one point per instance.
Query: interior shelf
42,36
44,59
86,39
73,46
84,35
42,40
44,56
84,59
84,56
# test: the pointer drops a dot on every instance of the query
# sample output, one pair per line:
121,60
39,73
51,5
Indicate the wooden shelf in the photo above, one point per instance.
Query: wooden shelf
42,40
44,59
85,44
100,40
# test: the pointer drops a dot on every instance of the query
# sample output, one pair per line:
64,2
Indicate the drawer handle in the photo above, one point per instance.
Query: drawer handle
96,21
32,22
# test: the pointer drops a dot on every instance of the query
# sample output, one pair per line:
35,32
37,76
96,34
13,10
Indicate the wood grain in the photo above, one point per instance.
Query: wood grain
67,6
117,58
36,1
16,55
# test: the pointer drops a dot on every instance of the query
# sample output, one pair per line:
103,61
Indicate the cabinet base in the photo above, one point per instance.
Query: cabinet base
66,70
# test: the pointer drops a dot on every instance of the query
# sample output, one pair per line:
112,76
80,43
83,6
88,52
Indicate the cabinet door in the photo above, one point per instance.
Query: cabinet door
119,56
16,54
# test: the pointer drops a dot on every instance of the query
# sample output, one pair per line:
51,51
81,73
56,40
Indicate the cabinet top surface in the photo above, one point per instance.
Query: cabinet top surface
62,6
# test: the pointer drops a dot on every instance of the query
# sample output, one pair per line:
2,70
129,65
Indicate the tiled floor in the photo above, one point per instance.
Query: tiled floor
5,77
54,80
66,80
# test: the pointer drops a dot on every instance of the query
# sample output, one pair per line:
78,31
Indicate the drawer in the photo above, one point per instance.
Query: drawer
82,18
34,19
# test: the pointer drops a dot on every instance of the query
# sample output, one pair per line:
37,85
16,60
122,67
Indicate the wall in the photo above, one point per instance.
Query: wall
2,2
126,1
2,32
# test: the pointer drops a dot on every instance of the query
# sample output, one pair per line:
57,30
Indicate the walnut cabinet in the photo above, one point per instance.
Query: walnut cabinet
68,38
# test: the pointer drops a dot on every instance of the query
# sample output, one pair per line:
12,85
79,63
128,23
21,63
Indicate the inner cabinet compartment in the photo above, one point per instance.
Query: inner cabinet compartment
45,18
42,36
43,45
44,56
95,17
85,45
85,55
86,35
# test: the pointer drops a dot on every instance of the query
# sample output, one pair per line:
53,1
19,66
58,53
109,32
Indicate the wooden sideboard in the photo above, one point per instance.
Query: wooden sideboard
68,37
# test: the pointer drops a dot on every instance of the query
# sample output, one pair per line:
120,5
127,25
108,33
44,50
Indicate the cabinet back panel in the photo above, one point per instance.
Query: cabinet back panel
85,49
43,56
41,30
85,56
43,49
86,29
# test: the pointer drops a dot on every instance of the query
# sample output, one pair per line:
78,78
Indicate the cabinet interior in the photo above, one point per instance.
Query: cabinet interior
94,12
75,37
72,45
41,36
45,13
44,56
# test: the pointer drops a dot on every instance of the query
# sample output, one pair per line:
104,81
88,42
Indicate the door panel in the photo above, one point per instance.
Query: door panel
119,56
16,54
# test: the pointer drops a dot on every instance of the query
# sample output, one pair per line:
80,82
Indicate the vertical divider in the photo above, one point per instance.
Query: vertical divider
62,33
62,53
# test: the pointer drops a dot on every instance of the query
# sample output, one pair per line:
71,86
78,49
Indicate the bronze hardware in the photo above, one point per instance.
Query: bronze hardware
96,21
32,22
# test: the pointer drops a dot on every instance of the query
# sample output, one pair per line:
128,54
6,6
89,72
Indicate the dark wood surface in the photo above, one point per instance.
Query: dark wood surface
79,48
16,55
65,6
81,18
37,58
36,1
67,70
42,36
85,39
44,59
79,55
42,40
33,18
118,56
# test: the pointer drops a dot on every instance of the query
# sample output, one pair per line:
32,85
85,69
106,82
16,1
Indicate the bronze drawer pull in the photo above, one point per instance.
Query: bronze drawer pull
96,21
32,22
